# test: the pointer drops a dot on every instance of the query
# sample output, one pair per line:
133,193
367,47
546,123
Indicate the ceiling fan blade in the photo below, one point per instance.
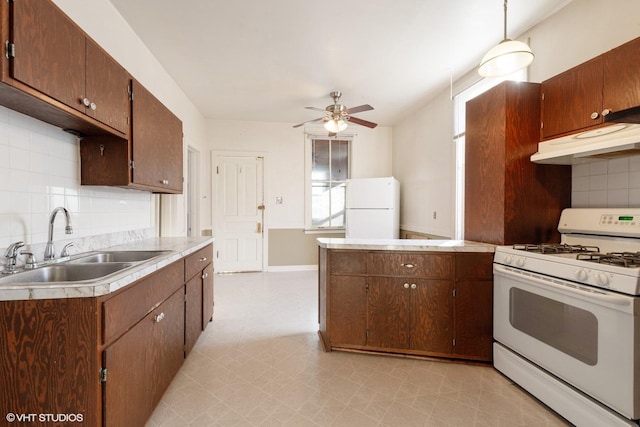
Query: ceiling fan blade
315,109
308,121
362,122
359,109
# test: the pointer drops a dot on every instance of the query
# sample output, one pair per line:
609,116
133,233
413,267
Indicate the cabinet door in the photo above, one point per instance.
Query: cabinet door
474,319
157,143
347,319
50,51
192,313
107,87
141,364
432,316
622,77
388,312
207,295
573,100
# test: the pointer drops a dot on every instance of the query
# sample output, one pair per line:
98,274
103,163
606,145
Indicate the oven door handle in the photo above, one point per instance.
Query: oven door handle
612,299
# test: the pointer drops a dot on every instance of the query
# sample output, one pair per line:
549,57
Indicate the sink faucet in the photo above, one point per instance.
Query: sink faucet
12,255
49,251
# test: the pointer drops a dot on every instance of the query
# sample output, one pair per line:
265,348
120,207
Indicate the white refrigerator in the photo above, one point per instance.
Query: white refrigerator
372,208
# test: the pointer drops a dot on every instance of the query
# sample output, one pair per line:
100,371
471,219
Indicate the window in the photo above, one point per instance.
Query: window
328,172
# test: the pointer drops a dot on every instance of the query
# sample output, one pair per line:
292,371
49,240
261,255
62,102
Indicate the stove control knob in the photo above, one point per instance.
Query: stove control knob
582,275
520,262
602,279
508,259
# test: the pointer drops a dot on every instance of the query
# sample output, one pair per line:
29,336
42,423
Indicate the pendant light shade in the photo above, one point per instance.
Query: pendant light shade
507,57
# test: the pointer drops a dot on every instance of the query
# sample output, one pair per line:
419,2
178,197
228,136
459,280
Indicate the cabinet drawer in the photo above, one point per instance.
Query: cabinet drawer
128,307
428,265
197,261
474,265
347,262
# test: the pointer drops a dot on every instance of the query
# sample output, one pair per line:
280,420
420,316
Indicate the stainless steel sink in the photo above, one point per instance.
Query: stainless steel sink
66,272
117,256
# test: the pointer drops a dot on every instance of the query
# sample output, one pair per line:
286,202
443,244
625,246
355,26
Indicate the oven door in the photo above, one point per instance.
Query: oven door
585,336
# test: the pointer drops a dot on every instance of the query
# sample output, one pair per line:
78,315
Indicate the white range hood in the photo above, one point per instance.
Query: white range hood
618,139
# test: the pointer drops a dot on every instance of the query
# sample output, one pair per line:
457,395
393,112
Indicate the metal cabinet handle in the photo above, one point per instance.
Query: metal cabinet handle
205,275
407,265
158,318
93,106
606,112
595,115
165,181
406,286
203,259
414,286
85,102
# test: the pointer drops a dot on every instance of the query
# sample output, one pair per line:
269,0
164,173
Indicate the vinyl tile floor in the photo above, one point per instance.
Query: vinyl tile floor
260,363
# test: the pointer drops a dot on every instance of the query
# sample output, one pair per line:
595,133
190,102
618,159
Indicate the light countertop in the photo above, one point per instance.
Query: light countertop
177,247
406,245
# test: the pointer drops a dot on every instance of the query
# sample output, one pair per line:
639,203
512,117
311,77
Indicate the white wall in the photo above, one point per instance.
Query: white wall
423,155
283,149
39,164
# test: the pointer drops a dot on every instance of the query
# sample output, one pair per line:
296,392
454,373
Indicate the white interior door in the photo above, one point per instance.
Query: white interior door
238,213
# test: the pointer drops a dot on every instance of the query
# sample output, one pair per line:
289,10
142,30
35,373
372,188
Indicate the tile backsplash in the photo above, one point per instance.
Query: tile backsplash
40,170
606,183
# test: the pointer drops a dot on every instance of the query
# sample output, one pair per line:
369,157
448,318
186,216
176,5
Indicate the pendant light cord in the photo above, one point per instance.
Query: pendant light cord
505,20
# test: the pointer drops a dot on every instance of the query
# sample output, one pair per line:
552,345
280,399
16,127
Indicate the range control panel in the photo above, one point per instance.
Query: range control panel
623,222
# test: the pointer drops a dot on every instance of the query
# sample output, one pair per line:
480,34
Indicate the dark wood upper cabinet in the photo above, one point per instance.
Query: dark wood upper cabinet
572,100
49,52
581,97
156,143
107,87
509,199
622,77
150,160
52,55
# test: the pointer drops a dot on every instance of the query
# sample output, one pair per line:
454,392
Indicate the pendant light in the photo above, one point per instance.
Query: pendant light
507,57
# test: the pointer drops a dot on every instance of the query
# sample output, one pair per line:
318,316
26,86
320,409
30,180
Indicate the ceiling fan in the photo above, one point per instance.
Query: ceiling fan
337,115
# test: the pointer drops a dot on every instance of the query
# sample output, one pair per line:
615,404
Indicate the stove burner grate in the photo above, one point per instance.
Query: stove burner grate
555,248
623,259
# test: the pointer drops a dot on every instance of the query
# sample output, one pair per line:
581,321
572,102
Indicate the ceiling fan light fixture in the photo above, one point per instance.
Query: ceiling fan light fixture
507,57
335,125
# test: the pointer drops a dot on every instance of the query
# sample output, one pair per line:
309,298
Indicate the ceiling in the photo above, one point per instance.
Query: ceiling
267,60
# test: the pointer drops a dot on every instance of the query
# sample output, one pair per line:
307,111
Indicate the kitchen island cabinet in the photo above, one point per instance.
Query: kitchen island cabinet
581,97
105,359
406,297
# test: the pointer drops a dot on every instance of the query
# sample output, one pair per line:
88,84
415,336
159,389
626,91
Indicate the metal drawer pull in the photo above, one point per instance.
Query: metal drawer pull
159,317
414,286
408,265
203,259
406,286
205,275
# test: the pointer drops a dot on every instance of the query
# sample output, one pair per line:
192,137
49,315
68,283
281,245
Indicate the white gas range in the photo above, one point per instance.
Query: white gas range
567,317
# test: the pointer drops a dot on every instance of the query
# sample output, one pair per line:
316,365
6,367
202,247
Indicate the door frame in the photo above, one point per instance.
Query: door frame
215,154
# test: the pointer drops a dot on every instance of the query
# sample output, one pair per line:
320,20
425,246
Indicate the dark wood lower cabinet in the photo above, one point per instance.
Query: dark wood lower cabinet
105,360
141,364
434,304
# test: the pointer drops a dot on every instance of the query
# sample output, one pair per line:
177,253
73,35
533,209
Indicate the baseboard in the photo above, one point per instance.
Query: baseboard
279,268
